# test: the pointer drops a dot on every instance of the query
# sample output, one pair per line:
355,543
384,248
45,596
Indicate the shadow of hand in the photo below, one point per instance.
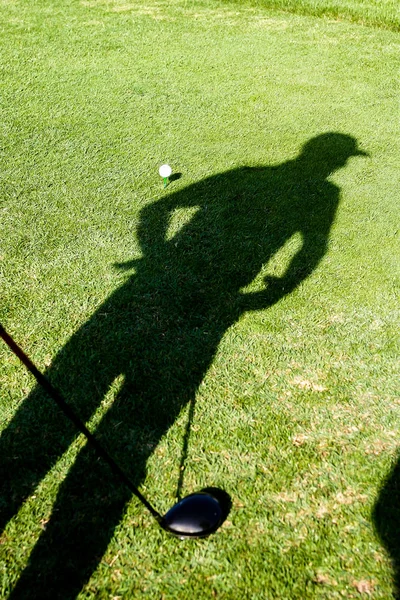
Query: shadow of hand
126,266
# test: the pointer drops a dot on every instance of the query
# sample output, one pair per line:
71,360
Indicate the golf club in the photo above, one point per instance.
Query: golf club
196,515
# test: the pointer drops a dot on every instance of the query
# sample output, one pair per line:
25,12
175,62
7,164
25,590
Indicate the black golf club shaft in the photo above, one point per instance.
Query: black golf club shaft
67,410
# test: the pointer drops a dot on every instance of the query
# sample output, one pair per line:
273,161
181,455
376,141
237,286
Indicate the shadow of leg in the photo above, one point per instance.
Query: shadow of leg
89,505
31,444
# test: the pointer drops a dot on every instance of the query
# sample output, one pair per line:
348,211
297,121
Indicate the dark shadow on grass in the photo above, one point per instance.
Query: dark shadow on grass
175,176
386,516
160,331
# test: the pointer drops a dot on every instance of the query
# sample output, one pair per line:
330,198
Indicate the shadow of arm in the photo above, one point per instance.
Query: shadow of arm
302,265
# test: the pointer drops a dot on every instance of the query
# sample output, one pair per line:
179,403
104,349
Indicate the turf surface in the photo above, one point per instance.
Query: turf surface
255,298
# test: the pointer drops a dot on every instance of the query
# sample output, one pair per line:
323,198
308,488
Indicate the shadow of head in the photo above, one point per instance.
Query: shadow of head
328,152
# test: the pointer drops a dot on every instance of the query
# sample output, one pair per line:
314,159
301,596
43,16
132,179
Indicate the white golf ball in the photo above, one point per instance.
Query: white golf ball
165,170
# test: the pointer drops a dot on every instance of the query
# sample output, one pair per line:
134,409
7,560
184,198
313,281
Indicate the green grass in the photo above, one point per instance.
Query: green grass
297,408
377,13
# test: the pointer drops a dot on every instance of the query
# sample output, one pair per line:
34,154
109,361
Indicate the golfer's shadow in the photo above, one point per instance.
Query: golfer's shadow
387,521
157,336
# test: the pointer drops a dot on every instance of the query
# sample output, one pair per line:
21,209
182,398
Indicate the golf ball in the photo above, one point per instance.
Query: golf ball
165,170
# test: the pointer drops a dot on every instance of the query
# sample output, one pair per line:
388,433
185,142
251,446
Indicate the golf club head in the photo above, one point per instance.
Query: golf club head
197,515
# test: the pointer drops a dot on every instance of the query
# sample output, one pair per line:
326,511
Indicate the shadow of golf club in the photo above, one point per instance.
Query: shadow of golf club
185,448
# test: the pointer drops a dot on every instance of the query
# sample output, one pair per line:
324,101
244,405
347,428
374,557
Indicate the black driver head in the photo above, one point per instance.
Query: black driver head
197,515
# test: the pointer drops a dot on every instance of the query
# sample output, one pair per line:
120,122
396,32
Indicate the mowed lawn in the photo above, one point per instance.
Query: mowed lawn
238,328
